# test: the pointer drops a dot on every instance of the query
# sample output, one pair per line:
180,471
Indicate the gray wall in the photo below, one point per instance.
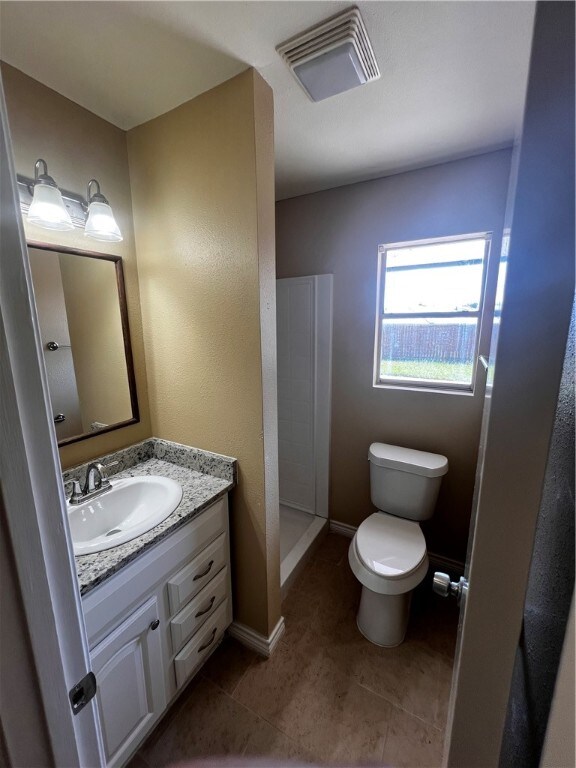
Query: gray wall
338,231
550,589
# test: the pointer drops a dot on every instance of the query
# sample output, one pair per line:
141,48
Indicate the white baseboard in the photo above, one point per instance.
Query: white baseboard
343,528
263,645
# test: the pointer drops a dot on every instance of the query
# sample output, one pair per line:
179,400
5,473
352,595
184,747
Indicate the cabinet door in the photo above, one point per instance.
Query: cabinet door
130,677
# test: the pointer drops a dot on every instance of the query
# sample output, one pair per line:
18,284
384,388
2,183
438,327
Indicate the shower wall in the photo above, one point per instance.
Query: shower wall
295,350
304,322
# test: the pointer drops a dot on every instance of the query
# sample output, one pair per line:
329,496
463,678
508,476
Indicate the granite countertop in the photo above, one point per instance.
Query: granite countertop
199,491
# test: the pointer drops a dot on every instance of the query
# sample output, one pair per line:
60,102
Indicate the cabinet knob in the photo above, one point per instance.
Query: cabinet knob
155,624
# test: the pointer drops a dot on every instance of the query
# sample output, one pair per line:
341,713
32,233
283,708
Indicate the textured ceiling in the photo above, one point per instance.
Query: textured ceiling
453,74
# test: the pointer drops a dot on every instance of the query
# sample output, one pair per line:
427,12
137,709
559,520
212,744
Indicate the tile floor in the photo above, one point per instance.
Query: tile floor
326,696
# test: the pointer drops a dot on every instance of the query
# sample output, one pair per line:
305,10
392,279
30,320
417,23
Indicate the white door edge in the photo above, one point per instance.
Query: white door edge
516,433
34,502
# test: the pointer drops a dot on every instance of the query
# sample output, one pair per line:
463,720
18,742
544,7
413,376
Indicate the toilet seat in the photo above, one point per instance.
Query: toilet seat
388,554
390,546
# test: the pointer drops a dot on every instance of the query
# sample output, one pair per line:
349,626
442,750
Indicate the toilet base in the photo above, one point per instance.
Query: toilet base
383,619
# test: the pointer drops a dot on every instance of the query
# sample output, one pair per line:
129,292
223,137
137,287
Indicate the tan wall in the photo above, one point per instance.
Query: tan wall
78,146
95,325
197,204
338,231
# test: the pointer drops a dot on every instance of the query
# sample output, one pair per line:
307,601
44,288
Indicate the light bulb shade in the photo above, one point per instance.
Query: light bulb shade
101,224
47,209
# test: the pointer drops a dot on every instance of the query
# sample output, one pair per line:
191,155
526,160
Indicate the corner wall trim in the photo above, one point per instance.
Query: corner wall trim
265,646
343,528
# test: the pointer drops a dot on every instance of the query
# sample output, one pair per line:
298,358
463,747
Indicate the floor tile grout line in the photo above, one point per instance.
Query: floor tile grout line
272,725
401,709
242,676
259,716
173,712
170,714
385,742
397,706
291,739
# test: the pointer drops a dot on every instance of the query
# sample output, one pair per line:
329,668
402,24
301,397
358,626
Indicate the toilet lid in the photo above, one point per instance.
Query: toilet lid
390,546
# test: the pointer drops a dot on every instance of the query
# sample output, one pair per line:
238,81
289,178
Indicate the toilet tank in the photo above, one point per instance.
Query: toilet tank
405,482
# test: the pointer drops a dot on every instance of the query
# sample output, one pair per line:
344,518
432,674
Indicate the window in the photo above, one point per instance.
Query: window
430,301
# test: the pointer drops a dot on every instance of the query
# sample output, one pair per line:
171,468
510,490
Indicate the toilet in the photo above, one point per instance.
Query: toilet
388,552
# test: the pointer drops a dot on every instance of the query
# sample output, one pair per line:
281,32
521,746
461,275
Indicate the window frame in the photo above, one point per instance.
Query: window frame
429,384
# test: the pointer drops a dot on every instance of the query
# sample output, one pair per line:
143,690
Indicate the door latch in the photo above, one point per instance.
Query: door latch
444,587
82,692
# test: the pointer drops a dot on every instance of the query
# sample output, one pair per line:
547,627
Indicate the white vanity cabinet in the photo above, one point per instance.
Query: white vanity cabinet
152,625
129,670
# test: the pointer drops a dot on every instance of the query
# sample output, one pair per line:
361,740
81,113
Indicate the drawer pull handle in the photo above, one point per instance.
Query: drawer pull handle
204,573
209,643
155,624
201,613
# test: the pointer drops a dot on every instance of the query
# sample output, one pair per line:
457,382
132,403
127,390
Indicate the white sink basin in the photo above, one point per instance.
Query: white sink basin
129,509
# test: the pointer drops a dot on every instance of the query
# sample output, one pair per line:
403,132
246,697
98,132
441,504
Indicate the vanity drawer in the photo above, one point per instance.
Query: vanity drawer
185,584
199,610
194,653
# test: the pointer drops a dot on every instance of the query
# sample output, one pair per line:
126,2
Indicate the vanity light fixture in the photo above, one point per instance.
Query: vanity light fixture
45,205
100,224
47,208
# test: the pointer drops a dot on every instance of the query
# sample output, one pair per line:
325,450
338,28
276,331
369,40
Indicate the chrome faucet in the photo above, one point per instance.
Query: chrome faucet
95,483
95,478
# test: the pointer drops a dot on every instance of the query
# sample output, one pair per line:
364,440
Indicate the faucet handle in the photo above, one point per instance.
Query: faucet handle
76,495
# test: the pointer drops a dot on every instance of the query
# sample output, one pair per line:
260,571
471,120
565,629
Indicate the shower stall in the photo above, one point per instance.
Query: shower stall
304,327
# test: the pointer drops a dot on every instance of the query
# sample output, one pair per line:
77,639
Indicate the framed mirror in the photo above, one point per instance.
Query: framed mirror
81,303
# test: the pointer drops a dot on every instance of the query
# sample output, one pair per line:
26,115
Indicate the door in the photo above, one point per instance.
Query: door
131,695
304,358
525,366
45,586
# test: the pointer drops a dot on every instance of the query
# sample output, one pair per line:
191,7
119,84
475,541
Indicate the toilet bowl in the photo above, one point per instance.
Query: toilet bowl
388,552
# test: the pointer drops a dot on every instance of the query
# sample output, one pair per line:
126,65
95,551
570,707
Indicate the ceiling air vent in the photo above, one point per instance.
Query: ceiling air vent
331,57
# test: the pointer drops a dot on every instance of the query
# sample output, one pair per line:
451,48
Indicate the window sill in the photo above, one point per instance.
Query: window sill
437,390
